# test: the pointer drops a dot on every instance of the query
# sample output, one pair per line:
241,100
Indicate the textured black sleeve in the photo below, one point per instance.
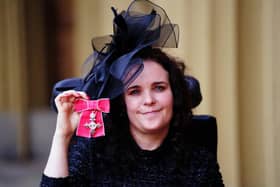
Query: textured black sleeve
54,182
206,170
214,174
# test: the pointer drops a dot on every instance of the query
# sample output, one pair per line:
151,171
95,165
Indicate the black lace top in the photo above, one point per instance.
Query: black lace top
157,168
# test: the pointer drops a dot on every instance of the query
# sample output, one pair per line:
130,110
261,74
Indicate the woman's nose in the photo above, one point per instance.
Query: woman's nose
149,98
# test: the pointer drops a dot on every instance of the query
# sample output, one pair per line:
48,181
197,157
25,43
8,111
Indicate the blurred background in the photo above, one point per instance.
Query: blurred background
231,46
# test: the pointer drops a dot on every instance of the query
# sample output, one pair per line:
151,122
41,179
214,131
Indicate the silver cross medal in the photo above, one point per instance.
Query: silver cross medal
92,124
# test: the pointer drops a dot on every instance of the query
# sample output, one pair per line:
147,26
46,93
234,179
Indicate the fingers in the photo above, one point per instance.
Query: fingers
74,94
66,99
71,95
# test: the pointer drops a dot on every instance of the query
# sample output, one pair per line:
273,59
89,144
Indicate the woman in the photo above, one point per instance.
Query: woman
145,143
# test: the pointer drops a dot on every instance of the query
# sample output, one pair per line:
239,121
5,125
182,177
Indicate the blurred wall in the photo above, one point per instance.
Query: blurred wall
231,46
258,83
13,74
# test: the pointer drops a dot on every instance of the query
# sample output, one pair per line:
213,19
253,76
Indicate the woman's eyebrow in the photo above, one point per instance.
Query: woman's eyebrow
161,82
133,87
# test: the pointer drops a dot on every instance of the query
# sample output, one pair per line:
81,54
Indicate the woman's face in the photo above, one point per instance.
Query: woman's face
149,100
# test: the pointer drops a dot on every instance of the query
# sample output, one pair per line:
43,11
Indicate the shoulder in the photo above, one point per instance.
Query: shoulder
204,167
202,158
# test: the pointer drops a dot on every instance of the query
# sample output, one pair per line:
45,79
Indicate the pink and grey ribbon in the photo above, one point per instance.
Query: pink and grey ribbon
91,122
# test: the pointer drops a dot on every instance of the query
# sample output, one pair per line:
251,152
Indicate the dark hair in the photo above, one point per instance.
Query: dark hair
117,130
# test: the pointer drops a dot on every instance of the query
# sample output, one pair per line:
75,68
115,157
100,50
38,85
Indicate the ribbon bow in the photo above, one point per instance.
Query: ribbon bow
91,122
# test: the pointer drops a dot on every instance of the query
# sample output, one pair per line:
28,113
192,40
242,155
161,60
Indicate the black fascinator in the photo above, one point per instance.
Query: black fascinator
114,62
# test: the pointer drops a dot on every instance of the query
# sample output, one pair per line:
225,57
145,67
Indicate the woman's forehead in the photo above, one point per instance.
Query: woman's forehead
152,72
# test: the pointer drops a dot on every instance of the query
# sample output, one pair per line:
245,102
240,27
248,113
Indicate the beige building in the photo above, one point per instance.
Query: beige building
231,46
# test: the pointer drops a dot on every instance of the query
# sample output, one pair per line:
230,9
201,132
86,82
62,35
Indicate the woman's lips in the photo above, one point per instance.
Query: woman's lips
150,112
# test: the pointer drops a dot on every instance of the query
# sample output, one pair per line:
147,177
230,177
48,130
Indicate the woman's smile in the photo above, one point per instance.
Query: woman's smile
150,111
151,114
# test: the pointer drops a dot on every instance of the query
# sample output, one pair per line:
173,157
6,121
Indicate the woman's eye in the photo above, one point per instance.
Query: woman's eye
159,88
134,92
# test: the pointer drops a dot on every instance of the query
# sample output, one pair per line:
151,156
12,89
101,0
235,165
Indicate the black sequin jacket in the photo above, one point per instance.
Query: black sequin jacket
157,168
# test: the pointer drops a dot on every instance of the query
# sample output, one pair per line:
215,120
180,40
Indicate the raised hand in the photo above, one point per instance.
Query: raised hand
67,118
